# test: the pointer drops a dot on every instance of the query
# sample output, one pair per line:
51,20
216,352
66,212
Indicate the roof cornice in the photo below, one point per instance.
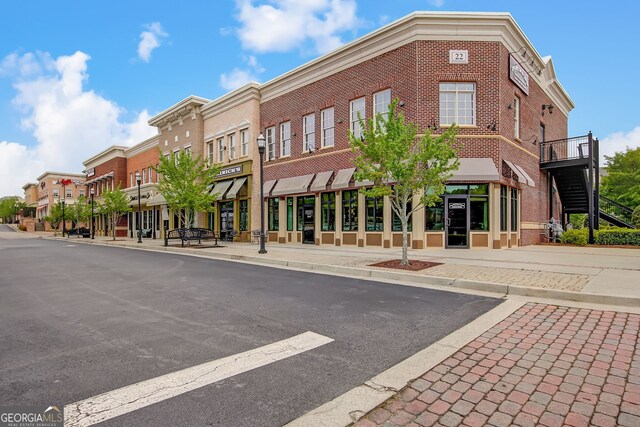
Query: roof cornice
248,92
104,156
141,147
436,26
50,174
186,107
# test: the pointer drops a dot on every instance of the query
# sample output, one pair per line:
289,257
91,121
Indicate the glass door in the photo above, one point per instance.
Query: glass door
308,219
457,221
226,220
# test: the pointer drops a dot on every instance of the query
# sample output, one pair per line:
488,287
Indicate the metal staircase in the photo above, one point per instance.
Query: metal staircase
572,163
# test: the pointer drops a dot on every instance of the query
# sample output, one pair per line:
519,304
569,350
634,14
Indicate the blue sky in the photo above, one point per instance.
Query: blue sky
78,76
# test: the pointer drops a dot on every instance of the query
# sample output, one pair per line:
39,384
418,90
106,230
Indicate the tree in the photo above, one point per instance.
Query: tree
185,183
8,208
401,164
622,183
80,211
115,205
55,216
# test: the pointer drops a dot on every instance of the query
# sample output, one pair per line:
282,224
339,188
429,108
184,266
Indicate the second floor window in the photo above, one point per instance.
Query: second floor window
271,143
220,144
232,146
326,116
210,152
285,139
381,101
144,176
309,131
516,116
244,142
357,113
457,103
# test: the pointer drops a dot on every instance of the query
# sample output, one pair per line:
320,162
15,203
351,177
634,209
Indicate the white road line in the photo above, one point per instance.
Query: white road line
130,398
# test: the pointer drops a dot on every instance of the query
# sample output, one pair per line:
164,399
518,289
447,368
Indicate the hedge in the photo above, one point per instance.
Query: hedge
609,236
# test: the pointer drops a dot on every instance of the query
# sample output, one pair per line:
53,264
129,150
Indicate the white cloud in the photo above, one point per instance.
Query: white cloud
436,3
283,25
149,40
619,142
241,76
69,123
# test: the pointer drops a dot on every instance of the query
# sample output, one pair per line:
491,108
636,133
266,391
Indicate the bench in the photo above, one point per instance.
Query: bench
192,234
82,231
255,236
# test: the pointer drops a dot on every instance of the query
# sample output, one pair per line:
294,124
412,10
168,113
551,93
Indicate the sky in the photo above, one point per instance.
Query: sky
77,77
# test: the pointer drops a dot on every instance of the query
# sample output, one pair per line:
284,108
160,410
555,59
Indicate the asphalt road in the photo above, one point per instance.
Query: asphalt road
78,320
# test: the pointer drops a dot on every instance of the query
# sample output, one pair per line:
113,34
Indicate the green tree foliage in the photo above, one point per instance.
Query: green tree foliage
55,215
400,163
80,211
635,217
184,182
8,209
115,205
622,183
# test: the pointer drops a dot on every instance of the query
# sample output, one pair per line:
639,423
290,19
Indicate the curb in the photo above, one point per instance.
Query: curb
441,283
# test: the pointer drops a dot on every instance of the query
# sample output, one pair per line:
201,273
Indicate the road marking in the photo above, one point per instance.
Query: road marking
130,398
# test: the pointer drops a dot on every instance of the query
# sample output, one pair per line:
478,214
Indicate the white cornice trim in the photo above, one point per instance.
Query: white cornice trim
248,92
437,26
104,156
145,145
49,174
178,110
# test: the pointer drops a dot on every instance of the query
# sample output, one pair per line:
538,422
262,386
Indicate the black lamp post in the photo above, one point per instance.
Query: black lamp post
261,146
139,216
64,218
17,206
93,227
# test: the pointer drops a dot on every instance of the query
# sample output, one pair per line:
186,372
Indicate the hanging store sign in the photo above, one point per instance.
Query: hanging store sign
457,205
90,172
233,170
518,74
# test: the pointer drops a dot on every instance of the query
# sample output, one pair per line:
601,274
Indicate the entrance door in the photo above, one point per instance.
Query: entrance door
457,222
226,219
308,220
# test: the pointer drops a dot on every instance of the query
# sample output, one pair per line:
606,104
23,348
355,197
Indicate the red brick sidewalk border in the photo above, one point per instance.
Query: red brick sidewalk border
544,365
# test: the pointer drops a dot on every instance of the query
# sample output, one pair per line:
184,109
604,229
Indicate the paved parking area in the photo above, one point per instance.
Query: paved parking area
543,365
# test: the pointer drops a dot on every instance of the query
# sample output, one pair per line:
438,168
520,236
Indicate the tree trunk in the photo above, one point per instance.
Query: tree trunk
405,258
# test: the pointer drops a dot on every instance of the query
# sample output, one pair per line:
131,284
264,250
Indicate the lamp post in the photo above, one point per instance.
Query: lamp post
261,146
138,217
93,227
17,206
64,218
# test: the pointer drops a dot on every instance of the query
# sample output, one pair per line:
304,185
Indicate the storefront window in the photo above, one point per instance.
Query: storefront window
374,213
514,209
350,210
274,214
244,215
434,216
479,213
396,224
289,213
456,189
503,208
328,211
479,189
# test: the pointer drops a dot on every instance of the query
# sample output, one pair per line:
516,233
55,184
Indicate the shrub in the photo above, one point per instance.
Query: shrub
618,236
23,228
575,237
635,217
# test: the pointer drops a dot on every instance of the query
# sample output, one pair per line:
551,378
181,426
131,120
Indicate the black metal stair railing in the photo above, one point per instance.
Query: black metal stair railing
564,149
621,212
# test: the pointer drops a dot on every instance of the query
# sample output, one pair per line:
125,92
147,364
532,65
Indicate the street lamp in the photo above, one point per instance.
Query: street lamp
17,218
93,227
261,145
64,218
139,216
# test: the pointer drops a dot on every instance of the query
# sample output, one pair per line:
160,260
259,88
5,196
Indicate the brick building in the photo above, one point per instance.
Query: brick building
141,159
477,70
51,191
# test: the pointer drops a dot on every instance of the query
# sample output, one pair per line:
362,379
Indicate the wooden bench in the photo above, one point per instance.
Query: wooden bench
192,234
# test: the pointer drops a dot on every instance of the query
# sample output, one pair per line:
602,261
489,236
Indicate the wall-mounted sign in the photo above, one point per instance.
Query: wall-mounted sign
458,57
91,172
233,170
518,74
457,205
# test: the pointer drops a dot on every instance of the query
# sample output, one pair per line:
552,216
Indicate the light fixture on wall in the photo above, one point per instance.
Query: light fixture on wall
510,106
401,104
492,126
433,126
534,137
548,107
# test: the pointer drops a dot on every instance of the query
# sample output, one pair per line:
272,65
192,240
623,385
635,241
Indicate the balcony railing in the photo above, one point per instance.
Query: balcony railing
565,149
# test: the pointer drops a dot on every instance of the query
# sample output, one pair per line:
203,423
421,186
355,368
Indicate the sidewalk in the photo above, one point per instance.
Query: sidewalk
595,275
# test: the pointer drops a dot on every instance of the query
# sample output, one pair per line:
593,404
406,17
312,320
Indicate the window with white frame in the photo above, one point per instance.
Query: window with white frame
69,192
149,171
244,142
210,152
131,179
56,193
81,194
176,155
516,116
187,151
144,175
357,113
326,116
285,139
271,143
220,144
457,103
381,101
231,139
309,131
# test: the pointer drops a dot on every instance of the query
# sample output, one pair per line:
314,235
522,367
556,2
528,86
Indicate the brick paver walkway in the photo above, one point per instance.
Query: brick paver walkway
542,366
